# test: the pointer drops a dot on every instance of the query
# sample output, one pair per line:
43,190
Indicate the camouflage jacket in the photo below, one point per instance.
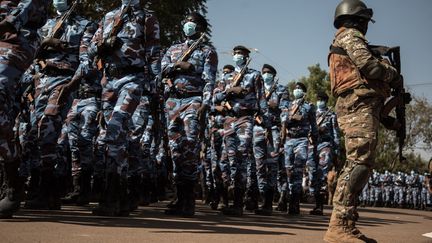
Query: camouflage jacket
328,128
303,122
202,79
219,118
26,16
278,99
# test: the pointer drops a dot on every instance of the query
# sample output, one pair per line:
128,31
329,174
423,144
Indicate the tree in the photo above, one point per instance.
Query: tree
170,13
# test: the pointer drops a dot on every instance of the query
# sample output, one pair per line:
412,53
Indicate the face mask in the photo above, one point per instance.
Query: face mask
321,104
60,5
189,28
132,2
238,59
298,93
268,78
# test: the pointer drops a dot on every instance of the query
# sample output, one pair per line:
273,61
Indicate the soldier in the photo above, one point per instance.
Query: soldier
361,83
189,88
127,47
59,57
19,21
242,100
266,151
328,149
387,187
413,190
218,165
399,198
298,123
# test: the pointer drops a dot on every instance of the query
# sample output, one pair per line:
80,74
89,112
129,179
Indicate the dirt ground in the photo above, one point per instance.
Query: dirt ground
150,224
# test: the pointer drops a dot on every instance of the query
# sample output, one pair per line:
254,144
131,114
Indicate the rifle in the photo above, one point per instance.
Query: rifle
236,81
284,125
183,58
118,23
322,117
400,98
272,89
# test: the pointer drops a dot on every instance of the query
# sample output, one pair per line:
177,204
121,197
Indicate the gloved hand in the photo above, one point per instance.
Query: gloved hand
235,90
202,112
396,83
184,66
64,94
6,27
54,43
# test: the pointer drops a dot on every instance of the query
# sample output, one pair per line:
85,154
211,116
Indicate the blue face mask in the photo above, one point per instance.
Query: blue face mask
298,93
321,104
268,78
239,59
133,2
189,28
61,5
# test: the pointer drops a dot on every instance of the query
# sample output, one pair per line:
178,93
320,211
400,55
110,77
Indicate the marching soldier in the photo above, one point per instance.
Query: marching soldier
266,147
298,121
190,72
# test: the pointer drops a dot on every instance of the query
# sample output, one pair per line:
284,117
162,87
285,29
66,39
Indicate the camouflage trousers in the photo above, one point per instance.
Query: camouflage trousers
217,148
398,196
141,159
81,129
9,77
49,118
358,117
296,152
266,156
318,173
120,97
183,130
238,134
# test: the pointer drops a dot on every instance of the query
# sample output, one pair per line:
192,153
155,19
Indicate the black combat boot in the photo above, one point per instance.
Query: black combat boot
294,204
97,188
237,208
72,196
216,195
283,201
85,188
267,207
134,194
124,198
176,206
251,202
14,192
48,197
189,199
319,205
33,184
225,198
109,203
145,191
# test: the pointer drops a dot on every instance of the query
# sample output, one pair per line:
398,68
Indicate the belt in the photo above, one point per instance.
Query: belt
121,71
345,93
52,71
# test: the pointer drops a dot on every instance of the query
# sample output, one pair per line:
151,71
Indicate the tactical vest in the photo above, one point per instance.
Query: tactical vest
345,76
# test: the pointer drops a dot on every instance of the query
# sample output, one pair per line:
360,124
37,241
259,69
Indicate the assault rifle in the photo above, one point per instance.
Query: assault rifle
284,125
183,58
399,98
236,81
272,89
322,117
108,43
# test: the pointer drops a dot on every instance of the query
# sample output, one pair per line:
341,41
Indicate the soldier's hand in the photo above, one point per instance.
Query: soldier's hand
202,112
6,27
396,83
235,90
63,95
184,66
54,43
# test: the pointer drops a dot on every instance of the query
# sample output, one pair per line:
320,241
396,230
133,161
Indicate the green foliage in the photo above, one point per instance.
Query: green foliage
170,14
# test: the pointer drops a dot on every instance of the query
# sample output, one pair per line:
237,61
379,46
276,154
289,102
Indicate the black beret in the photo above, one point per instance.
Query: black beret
243,48
302,86
268,66
228,66
322,96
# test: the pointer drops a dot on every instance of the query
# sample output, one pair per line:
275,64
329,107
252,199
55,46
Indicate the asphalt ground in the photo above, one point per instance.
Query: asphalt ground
150,224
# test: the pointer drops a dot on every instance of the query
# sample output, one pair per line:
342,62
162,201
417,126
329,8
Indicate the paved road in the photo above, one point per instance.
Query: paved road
149,224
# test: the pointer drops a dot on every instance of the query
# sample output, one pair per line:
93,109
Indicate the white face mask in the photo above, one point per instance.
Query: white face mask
298,93
189,28
268,78
132,2
239,59
61,5
321,104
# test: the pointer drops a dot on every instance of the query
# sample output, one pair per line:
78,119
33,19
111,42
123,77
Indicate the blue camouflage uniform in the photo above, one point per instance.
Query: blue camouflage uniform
298,127
399,182
192,90
238,128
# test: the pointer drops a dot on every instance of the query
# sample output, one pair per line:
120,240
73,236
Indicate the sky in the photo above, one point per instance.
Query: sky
292,35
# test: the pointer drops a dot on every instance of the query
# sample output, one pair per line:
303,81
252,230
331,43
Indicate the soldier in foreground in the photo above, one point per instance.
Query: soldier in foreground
361,83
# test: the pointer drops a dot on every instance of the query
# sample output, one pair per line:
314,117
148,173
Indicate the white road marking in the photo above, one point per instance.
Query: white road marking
429,235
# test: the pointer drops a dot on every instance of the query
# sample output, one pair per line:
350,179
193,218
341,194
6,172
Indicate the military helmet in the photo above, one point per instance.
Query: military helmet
355,8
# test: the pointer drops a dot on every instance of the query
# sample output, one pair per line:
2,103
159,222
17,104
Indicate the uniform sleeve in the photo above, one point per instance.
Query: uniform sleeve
335,131
262,102
209,75
283,98
313,124
152,47
20,15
